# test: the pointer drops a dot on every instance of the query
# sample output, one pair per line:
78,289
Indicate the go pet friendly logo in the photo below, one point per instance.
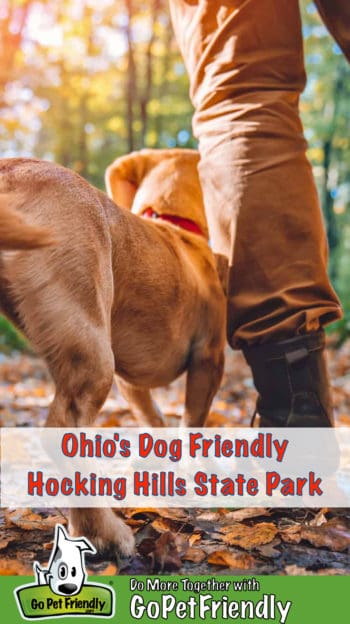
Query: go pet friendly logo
60,589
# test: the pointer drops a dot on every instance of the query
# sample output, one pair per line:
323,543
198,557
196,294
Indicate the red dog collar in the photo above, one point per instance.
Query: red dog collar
185,224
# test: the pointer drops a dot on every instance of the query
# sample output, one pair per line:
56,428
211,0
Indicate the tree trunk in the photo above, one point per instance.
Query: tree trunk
164,83
332,229
63,147
83,149
83,154
130,79
146,95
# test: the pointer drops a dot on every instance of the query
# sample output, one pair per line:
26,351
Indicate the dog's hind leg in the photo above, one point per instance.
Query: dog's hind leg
82,385
142,405
203,380
83,378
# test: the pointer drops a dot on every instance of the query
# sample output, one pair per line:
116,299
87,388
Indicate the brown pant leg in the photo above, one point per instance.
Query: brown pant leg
245,62
336,16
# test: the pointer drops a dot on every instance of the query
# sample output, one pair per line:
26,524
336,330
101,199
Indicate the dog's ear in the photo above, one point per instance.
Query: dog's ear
125,174
120,181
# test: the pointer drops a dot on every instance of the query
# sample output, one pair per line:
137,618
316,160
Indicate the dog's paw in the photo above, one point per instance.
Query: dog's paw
104,529
117,536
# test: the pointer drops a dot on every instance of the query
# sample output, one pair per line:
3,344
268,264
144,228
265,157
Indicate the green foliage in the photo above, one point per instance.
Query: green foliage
9,338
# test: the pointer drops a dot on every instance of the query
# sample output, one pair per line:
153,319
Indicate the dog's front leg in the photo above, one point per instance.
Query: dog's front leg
203,380
105,530
142,405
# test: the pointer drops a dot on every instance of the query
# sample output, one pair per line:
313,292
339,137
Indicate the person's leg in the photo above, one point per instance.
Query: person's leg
245,62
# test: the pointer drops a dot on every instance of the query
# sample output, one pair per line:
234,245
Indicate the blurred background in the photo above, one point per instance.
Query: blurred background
83,81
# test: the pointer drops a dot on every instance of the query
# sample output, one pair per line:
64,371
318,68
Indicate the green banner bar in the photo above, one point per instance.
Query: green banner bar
174,599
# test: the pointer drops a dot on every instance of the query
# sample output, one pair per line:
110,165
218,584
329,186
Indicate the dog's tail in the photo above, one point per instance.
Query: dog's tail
16,234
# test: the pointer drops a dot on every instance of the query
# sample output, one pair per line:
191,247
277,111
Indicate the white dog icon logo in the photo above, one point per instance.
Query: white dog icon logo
61,589
65,573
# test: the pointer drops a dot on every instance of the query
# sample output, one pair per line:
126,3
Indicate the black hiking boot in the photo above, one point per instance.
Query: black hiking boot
292,381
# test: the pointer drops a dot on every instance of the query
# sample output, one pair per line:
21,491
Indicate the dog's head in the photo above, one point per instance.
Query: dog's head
164,180
66,572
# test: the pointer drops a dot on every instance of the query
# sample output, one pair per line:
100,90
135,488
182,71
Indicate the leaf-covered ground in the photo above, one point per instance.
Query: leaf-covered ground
240,541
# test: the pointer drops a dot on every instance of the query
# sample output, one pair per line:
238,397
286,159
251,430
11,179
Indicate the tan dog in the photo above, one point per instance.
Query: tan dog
116,293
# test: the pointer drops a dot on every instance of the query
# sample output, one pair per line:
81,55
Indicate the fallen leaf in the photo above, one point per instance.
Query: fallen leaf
48,545
225,558
166,555
146,511
162,525
269,550
197,555
334,535
10,567
209,516
295,570
110,570
194,538
249,537
174,514
179,514
250,512
147,546
5,542
320,517
291,534
30,521
136,524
